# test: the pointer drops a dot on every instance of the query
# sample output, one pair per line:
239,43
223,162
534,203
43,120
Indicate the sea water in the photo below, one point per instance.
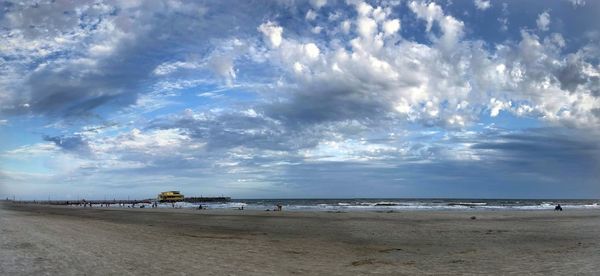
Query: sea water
390,204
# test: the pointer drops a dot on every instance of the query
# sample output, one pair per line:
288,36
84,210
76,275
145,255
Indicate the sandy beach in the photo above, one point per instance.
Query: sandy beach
45,240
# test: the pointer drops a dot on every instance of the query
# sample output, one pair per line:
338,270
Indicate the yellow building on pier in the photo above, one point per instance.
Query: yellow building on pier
170,196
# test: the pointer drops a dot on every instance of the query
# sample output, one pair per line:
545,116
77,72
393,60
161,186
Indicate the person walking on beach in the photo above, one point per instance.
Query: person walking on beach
558,208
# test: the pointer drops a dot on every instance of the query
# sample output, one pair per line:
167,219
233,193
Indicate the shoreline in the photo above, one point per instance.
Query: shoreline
59,240
337,205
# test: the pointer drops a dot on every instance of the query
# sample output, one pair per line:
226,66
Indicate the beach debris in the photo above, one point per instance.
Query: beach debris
389,250
473,217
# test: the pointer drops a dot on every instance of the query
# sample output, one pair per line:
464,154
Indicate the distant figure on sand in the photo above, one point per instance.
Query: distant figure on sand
558,208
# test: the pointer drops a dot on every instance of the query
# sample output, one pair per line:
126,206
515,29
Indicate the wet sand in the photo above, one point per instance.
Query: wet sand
45,240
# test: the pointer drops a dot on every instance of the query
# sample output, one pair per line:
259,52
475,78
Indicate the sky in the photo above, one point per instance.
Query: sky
300,99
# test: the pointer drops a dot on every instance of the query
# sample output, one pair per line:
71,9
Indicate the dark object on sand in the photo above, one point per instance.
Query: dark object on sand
473,217
558,208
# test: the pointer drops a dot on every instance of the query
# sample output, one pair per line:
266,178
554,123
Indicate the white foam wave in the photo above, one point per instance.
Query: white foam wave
361,206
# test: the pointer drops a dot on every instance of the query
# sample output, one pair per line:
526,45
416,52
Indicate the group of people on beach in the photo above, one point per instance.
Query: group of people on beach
278,207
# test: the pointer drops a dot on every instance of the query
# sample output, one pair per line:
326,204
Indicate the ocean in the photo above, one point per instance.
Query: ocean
391,204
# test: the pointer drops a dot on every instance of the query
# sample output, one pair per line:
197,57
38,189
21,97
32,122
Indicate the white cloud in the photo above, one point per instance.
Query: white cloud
482,4
543,21
345,26
503,23
453,31
272,32
317,4
429,12
350,150
373,75
447,83
154,141
223,66
577,3
391,27
311,15
298,67
497,106
32,150
171,67
124,150
412,83
451,27
366,27
312,51
334,16
558,39
364,9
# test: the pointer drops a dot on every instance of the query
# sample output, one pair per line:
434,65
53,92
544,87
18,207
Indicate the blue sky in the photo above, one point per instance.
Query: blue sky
319,98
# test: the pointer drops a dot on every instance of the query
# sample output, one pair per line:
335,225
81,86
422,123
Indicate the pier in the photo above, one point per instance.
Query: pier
207,199
118,201
82,202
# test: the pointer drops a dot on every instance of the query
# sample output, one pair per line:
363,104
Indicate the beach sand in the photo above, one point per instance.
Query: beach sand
45,240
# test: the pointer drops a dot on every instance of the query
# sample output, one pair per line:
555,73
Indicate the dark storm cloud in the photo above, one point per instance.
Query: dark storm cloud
557,145
329,102
571,75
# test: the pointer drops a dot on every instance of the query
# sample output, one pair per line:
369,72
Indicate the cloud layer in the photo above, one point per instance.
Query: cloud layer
409,97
